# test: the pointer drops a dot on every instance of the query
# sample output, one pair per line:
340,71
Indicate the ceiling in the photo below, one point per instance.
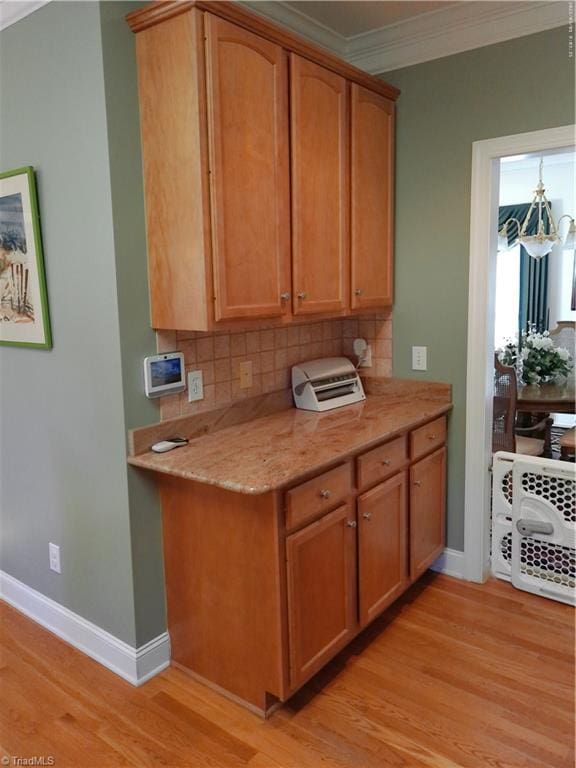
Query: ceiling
350,18
382,35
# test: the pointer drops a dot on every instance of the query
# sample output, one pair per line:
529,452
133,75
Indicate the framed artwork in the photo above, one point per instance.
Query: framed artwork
24,318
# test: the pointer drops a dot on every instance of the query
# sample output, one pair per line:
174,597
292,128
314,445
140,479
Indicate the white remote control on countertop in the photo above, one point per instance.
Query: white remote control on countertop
168,445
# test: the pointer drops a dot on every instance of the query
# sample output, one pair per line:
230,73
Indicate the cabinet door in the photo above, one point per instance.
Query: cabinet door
247,104
320,188
321,591
382,546
427,511
372,196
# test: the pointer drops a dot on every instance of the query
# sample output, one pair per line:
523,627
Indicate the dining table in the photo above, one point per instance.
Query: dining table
546,398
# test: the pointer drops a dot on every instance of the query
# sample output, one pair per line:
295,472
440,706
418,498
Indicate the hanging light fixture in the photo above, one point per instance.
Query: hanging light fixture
546,237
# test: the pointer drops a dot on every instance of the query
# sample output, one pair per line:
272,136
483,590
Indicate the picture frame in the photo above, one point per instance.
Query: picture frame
24,315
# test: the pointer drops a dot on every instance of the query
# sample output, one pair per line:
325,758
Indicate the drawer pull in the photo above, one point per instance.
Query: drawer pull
325,494
351,523
367,515
386,462
431,437
417,483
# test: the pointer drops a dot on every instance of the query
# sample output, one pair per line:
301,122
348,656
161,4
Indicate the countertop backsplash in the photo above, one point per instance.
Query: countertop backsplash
272,351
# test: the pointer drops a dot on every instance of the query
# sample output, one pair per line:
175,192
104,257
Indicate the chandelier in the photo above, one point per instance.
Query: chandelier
547,235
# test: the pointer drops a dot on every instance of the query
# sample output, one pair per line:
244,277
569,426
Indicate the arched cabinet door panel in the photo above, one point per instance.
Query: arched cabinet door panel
320,188
372,190
247,106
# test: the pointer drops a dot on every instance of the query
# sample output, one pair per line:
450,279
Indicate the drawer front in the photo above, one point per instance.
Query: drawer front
381,462
321,494
427,438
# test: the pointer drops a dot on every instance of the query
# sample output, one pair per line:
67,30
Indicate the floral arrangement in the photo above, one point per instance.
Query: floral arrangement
540,360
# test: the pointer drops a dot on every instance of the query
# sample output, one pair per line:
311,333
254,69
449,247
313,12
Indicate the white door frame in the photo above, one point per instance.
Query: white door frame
481,290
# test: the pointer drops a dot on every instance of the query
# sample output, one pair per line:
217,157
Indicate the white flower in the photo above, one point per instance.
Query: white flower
563,354
525,353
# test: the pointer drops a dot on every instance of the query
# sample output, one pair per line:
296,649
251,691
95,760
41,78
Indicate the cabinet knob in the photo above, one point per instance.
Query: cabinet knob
417,483
358,292
301,295
431,437
367,515
284,296
325,494
351,523
386,462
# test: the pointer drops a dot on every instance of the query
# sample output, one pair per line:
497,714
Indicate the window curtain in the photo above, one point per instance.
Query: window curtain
533,306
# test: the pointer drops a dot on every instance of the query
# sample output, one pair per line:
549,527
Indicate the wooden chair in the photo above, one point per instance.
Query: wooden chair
564,335
568,445
506,436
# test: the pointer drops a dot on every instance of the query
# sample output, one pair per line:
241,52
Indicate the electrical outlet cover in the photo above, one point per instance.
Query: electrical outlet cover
195,386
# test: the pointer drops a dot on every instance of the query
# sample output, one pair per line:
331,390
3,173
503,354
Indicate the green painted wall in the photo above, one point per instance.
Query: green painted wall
137,339
513,87
63,460
70,109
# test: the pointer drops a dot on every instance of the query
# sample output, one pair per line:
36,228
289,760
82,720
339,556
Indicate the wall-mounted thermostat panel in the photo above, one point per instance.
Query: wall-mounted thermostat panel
164,374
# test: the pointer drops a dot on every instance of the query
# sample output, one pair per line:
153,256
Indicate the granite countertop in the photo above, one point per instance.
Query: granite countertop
277,450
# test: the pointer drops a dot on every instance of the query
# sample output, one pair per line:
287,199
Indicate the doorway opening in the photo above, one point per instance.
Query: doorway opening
487,169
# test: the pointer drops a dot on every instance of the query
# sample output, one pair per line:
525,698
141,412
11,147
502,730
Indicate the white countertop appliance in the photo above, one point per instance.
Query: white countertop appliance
331,382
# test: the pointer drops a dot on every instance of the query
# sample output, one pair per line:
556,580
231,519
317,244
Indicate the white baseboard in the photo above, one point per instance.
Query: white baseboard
450,562
136,665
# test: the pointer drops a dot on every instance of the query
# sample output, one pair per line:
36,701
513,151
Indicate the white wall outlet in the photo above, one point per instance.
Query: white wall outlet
246,377
367,357
363,352
195,386
54,555
419,358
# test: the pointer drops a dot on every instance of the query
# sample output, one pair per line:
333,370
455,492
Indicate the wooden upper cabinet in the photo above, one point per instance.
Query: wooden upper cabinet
382,546
267,171
247,102
320,188
372,190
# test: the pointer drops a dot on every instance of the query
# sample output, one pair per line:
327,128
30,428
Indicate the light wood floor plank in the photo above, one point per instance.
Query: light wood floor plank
455,675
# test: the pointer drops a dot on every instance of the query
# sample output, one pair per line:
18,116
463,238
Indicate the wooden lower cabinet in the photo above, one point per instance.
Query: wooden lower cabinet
382,546
263,590
427,511
321,563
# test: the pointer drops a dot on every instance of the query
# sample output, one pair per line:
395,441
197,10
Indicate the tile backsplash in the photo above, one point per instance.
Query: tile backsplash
272,351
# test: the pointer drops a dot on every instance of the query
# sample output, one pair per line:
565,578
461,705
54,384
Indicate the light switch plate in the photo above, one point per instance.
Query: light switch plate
195,386
419,358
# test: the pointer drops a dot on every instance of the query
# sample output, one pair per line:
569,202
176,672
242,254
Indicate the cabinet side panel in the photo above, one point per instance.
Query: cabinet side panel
172,117
223,587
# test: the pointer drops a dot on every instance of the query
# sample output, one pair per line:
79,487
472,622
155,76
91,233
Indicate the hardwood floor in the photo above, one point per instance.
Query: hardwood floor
455,674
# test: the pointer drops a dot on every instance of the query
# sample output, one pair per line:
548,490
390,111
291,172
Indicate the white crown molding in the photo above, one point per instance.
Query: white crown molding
13,11
448,31
431,35
136,665
300,23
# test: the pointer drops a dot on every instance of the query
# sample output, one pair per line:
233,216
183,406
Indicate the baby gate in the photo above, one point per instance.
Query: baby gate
534,524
